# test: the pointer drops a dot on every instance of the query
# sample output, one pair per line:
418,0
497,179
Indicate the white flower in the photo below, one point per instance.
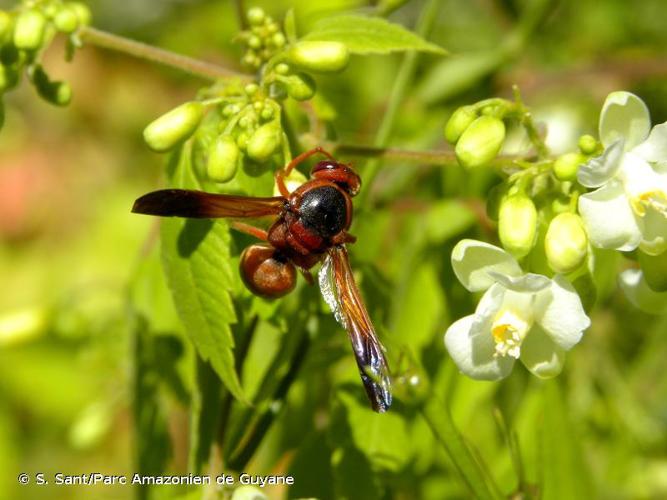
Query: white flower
629,209
640,294
521,316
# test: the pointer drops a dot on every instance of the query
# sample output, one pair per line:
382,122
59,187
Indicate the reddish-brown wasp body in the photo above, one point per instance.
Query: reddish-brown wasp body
310,227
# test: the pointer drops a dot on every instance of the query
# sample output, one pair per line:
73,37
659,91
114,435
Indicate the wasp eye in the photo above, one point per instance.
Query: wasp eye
338,173
325,165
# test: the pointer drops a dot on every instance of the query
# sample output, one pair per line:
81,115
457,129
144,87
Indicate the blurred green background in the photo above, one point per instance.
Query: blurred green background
68,246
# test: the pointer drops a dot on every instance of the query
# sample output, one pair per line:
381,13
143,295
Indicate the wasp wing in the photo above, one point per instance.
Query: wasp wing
340,292
201,205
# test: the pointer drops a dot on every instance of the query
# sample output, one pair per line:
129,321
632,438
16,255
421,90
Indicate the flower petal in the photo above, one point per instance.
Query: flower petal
541,355
473,353
608,217
472,261
654,238
624,115
641,296
527,283
601,169
559,311
654,149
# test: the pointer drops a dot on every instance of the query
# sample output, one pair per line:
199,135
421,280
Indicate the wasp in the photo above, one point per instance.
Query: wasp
310,227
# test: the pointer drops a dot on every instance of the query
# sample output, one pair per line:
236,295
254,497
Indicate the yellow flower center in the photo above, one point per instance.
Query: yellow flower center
509,330
656,199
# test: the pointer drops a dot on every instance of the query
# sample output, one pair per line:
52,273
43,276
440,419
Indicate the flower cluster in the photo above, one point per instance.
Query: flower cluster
238,124
25,32
546,214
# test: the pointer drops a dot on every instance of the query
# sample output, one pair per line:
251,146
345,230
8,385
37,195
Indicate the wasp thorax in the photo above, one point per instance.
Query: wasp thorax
324,210
266,272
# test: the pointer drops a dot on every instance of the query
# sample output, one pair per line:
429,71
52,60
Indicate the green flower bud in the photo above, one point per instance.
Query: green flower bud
66,20
566,166
58,93
256,16
278,40
566,243
174,127
29,30
251,88
588,144
242,140
267,113
655,270
458,122
480,142
223,159
5,24
82,12
300,87
254,42
264,142
319,56
517,224
282,69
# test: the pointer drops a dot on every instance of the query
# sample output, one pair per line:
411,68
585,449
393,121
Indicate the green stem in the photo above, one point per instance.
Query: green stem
141,50
479,481
398,91
432,157
527,121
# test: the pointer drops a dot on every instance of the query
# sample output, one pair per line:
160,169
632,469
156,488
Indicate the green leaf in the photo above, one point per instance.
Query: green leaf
196,260
370,35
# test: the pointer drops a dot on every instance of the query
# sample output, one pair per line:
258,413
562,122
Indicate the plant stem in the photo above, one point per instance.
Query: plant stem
528,123
141,50
432,157
478,480
403,78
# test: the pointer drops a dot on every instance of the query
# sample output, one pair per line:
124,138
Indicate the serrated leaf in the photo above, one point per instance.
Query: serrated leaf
196,260
370,35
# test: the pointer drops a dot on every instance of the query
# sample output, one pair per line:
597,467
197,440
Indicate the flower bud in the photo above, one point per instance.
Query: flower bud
256,16
174,126
264,142
517,224
282,69
82,12
480,142
587,144
66,20
566,243
223,159
29,30
300,87
319,56
566,166
247,492
655,270
458,122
